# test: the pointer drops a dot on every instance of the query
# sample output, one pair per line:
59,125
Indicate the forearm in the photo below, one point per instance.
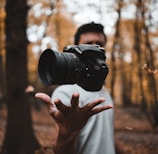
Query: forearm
65,144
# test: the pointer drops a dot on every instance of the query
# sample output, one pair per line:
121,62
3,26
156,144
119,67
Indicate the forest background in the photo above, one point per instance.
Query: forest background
132,53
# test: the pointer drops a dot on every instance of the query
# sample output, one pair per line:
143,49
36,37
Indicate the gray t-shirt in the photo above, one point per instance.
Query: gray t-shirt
97,137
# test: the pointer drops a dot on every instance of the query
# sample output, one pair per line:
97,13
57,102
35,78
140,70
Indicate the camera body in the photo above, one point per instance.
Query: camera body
82,64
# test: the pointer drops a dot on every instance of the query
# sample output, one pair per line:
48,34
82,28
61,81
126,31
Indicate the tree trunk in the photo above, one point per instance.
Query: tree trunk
138,40
153,117
113,65
2,94
19,136
2,53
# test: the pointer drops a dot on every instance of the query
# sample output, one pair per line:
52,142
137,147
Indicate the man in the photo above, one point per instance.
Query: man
82,126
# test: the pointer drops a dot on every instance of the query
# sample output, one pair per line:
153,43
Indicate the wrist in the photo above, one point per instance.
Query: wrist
65,143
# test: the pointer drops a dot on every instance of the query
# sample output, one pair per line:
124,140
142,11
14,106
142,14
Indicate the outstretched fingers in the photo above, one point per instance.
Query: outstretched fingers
75,101
47,100
94,108
61,107
93,104
44,97
100,109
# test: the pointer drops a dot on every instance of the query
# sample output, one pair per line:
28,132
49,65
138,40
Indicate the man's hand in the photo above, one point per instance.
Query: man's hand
71,119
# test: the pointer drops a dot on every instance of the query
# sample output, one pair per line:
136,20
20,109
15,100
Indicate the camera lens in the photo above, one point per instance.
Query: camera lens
58,68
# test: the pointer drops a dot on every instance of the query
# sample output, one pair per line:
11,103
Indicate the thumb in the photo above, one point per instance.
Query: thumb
44,97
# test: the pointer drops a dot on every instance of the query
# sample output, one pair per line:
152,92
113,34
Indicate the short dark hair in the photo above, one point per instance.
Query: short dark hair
89,27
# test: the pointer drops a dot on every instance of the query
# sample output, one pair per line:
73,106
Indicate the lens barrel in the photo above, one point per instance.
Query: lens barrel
58,68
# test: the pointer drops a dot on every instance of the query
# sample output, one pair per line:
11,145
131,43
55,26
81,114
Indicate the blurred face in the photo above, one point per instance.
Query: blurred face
92,38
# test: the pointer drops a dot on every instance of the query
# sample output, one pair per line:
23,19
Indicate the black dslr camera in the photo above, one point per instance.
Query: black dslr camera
82,64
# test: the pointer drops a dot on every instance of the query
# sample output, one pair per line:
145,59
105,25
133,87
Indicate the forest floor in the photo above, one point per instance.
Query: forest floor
133,132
